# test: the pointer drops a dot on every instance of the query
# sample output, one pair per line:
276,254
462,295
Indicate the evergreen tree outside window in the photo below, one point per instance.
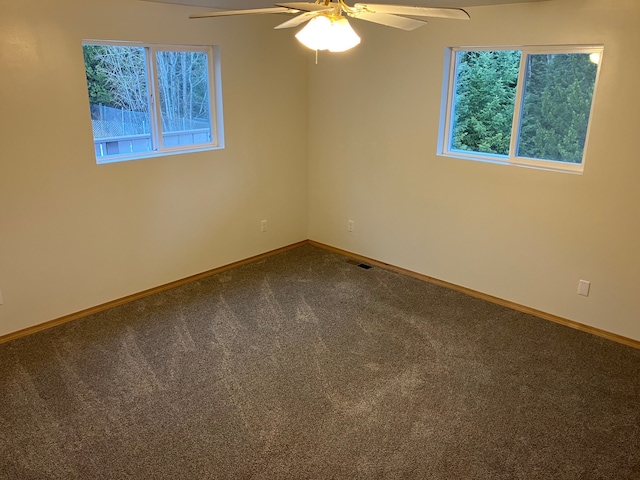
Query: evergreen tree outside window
484,100
149,100
529,106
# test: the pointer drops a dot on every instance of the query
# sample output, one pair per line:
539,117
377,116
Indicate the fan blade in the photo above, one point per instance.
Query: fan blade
295,21
453,13
310,7
389,20
251,11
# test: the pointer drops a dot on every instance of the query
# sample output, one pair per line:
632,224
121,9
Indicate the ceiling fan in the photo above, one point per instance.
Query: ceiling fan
328,29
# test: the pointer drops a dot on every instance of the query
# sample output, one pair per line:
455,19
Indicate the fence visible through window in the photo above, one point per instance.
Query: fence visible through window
118,130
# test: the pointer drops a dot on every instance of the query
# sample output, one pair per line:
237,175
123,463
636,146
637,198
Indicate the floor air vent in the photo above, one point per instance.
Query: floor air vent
361,265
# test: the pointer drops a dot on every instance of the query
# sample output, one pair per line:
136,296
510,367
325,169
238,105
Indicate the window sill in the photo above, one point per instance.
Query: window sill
546,165
146,155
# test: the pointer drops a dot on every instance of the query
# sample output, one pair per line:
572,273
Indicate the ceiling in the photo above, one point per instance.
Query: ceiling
242,4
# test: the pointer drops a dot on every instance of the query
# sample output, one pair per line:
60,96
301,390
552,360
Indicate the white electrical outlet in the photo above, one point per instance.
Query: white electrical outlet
350,226
263,226
583,288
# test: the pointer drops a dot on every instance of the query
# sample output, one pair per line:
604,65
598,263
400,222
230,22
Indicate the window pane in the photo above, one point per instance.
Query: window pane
484,98
557,102
117,86
183,82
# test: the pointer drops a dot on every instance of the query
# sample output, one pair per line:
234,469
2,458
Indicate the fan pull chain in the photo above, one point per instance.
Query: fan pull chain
316,57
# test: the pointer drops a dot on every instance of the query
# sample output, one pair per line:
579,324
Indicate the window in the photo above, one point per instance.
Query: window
529,106
151,100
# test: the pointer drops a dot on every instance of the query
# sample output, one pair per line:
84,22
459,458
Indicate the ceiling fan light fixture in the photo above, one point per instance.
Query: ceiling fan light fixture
325,33
328,29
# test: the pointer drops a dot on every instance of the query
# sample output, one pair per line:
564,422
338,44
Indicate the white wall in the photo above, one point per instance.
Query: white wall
74,234
523,235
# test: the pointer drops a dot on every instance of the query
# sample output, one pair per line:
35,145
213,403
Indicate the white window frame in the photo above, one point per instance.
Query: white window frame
215,100
444,137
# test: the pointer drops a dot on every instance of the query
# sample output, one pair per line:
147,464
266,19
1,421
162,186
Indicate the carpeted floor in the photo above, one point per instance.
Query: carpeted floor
305,366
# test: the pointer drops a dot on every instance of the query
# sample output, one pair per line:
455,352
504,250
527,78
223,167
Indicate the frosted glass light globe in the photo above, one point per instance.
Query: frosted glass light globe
324,33
316,33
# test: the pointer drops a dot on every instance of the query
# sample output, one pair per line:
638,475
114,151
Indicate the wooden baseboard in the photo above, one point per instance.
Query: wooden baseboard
144,293
499,301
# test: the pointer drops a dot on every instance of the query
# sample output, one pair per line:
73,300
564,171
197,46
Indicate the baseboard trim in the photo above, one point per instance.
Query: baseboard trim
630,342
145,293
474,293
